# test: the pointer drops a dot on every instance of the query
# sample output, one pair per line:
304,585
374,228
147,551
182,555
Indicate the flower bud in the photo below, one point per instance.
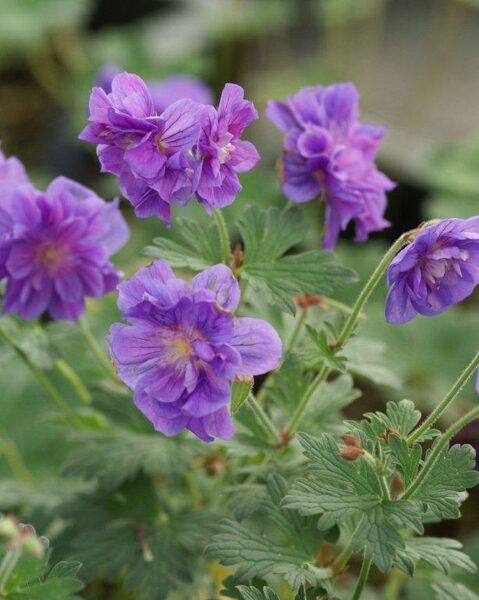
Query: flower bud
397,485
351,453
8,530
350,440
32,547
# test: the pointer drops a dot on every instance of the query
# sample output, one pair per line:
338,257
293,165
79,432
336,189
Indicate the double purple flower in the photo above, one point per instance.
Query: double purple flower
438,269
183,347
328,152
55,245
189,149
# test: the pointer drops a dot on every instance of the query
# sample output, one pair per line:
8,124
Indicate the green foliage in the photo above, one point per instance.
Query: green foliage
446,590
251,593
292,555
267,235
196,249
33,579
440,553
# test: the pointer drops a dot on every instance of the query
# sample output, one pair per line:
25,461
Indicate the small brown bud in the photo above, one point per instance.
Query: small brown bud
351,453
350,440
397,485
238,256
215,465
305,300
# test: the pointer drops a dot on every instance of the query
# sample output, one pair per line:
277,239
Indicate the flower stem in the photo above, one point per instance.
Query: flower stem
224,235
72,378
436,450
9,563
296,330
446,401
367,290
349,326
42,377
263,419
363,577
342,559
95,349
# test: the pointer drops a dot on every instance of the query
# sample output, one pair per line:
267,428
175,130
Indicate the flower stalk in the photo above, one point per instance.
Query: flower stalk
446,401
363,577
224,235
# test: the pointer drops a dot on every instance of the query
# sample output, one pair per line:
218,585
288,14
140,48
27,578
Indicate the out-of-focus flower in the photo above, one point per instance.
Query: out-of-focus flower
163,91
183,347
56,249
163,160
328,152
438,269
12,175
166,91
223,154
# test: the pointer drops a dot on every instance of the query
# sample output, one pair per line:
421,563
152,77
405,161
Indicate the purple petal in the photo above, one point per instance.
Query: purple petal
131,93
207,398
244,157
150,280
220,280
259,345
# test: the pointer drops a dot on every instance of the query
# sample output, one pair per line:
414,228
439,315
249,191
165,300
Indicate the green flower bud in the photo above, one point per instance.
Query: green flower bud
32,547
8,530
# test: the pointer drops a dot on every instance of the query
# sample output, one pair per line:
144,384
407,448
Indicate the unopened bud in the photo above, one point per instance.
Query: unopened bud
32,547
397,485
350,440
8,530
351,453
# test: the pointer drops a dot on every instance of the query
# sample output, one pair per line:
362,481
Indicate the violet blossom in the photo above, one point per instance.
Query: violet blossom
329,153
183,347
56,247
189,149
438,269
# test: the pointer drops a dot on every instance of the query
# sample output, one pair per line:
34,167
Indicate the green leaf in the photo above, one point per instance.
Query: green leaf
445,590
267,235
365,357
442,489
251,593
407,458
322,351
197,249
440,553
113,457
313,272
239,393
342,491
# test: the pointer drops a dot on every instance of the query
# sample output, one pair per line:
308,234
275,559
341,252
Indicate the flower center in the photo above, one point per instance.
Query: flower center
52,257
435,270
225,148
161,145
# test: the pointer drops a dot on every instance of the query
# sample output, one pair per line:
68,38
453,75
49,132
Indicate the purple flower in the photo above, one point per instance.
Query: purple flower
438,269
163,91
12,175
163,160
151,154
328,152
183,347
166,91
223,154
56,248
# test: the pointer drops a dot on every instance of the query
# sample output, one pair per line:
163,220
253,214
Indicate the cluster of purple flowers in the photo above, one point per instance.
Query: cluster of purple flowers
438,269
328,152
189,149
183,347
55,245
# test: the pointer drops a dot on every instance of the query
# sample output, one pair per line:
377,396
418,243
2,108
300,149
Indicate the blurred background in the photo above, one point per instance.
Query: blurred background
416,65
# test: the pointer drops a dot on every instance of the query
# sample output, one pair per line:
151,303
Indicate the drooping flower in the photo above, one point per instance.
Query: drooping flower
328,152
438,269
189,149
183,347
222,153
56,250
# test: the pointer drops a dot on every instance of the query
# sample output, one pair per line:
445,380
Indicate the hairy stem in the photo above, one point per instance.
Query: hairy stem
42,377
73,379
9,563
436,450
263,419
296,330
363,577
224,236
349,326
95,349
446,401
